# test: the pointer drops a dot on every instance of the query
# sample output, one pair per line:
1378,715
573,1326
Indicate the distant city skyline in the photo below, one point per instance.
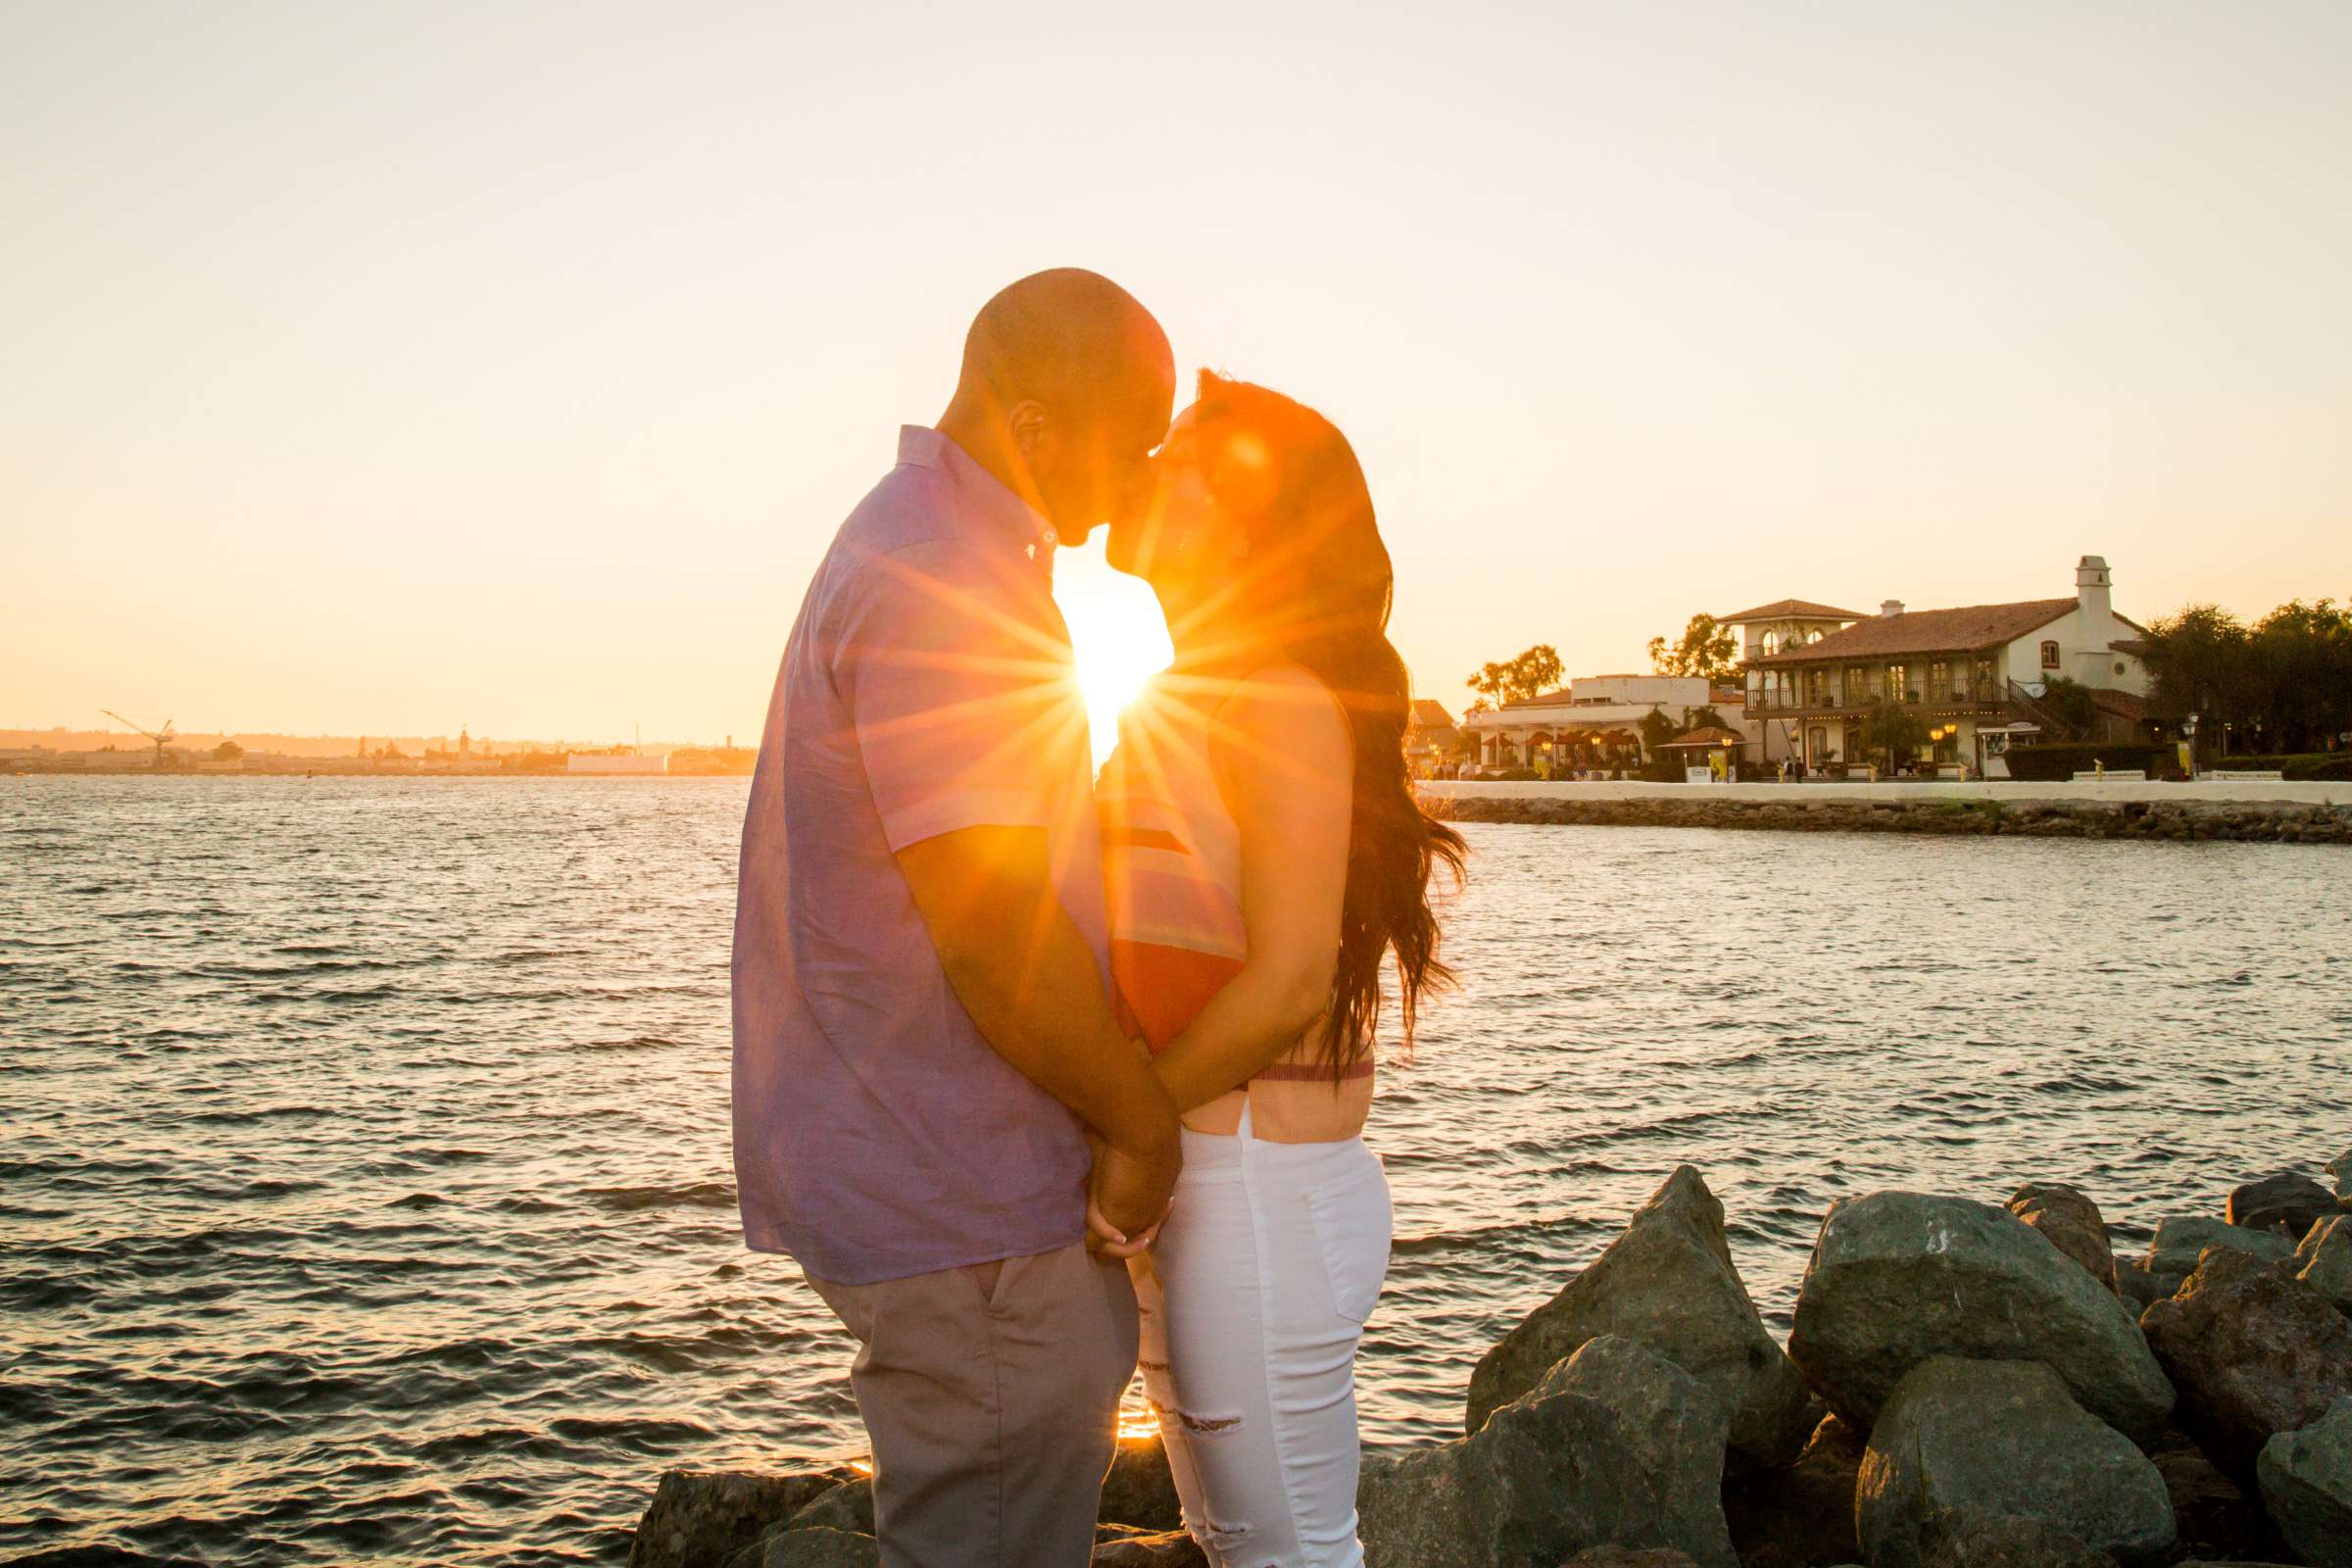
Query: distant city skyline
398,367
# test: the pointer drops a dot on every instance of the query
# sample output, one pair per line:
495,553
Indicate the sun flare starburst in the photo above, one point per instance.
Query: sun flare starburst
1120,638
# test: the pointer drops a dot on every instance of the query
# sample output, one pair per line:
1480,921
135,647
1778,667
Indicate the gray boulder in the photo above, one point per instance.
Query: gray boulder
2287,1202
2181,1239
2340,1170
2325,1257
816,1547
1899,1278
2307,1486
1631,1557
1615,1446
847,1507
2072,1223
2003,1440
1668,1283
1970,1538
702,1518
2254,1351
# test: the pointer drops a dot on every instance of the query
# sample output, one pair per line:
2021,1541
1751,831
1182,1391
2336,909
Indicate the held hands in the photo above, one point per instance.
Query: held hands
1127,1200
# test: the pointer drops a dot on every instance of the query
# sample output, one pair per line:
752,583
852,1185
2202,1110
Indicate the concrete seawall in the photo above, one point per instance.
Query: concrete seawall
2249,810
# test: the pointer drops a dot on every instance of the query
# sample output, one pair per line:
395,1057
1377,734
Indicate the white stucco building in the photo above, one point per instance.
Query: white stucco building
1974,674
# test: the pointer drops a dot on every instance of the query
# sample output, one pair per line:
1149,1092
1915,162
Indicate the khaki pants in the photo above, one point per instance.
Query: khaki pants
991,1395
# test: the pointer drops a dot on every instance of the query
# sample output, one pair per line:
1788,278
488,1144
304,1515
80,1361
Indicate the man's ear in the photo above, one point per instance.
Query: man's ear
1026,421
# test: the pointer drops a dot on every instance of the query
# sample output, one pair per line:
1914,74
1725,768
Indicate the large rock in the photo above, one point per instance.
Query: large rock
2253,1350
2287,1202
847,1507
2307,1486
2340,1169
1803,1516
1631,1557
2325,1259
701,1518
2181,1239
1668,1283
2072,1222
1615,1446
1969,1538
2137,1287
1140,1490
1898,1278
2003,1440
817,1547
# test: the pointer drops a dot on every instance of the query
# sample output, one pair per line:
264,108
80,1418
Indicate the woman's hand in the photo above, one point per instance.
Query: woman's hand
1117,1185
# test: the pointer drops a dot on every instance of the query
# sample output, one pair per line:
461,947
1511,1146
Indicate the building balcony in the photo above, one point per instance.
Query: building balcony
1979,696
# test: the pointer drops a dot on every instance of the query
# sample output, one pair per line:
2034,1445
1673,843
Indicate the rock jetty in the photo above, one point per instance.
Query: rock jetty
1817,809
1967,1385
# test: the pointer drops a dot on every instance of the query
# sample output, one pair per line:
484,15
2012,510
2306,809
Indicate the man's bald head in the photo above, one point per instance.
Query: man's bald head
1068,338
1069,382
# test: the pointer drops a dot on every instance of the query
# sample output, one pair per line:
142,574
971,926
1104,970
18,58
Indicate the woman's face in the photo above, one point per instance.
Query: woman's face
1179,538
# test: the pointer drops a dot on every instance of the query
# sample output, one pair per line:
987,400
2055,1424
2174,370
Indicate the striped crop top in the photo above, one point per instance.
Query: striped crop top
1172,866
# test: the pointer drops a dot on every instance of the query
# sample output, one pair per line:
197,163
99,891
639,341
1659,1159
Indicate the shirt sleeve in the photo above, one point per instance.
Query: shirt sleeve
958,683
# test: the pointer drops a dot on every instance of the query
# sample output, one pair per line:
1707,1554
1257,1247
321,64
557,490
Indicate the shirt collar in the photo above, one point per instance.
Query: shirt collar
986,498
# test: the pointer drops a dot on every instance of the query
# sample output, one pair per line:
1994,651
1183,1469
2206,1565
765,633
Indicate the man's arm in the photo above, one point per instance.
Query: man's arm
1032,985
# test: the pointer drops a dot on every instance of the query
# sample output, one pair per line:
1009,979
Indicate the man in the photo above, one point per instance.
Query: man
923,1034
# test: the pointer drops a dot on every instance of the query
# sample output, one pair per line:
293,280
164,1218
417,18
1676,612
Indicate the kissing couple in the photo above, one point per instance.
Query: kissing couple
1035,1073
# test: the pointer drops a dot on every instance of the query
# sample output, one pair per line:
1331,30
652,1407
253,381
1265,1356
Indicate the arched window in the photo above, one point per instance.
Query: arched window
1772,643
1813,636
2049,655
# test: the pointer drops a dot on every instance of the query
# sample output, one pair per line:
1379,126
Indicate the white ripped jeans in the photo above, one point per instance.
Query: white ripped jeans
1258,1293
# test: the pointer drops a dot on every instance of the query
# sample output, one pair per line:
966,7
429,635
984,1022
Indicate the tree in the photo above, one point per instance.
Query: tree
2069,703
1708,718
1657,729
2299,668
2199,661
1707,648
1895,730
1515,680
228,751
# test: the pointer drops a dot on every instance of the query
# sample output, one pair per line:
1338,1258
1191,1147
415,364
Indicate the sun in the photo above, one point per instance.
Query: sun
1116,628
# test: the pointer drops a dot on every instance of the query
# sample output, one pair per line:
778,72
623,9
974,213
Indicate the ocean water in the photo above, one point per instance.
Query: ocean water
365,1191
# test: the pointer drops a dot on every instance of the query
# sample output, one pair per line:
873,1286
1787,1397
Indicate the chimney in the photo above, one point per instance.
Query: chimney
2094,589
1892,607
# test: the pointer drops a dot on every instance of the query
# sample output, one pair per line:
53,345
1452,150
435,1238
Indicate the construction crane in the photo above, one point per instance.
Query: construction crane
159,737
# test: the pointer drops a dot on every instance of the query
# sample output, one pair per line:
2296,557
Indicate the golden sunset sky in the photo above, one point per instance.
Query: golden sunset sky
381,368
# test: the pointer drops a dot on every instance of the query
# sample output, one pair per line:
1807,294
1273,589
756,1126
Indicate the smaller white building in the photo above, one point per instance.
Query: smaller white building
1591,723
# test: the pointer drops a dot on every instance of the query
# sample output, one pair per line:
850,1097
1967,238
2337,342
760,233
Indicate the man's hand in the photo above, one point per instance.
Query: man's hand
1127,1198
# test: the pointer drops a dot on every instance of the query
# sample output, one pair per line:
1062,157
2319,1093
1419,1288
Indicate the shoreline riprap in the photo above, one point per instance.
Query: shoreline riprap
2147,821
1966,1385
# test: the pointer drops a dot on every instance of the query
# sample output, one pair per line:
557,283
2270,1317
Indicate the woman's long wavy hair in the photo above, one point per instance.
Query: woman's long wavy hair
1316,588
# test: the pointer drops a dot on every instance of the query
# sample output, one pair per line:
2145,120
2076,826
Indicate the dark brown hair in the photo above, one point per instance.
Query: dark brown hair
1316,588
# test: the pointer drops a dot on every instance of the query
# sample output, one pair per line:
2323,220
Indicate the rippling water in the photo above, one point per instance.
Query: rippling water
365,1189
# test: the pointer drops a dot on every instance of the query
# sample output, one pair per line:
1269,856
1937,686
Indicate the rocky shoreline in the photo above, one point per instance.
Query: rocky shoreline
1820,811
1966,1385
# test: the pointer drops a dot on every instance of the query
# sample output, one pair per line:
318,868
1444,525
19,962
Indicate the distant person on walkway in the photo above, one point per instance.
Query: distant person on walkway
924,1035
1266,856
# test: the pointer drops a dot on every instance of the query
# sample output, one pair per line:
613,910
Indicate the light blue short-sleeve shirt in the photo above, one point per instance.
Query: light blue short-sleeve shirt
927,686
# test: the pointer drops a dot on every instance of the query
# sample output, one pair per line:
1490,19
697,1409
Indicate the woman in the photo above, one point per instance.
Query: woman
1264,853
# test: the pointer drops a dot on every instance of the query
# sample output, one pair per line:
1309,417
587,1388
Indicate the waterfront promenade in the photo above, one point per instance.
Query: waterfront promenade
1910,792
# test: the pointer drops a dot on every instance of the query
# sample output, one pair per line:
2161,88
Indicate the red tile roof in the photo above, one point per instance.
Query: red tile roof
1789,609
1430,714
2122,705
1930,631
1709,736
